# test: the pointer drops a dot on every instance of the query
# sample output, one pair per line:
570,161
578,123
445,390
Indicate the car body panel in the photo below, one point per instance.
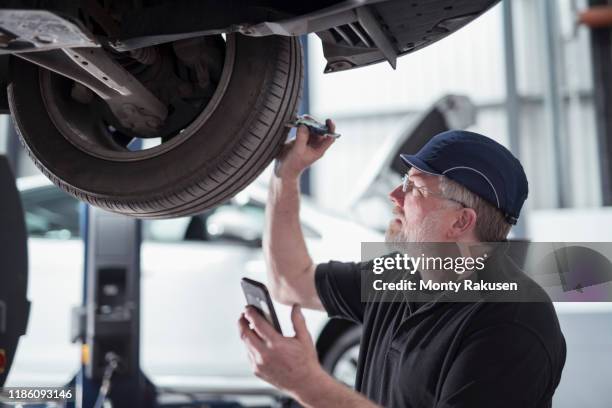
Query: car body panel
354,33
45,355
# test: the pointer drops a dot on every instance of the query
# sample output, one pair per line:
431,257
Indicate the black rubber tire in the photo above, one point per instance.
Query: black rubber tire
341,345
223,156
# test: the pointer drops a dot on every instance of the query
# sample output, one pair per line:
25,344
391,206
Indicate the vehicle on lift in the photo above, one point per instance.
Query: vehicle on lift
208,85
190,266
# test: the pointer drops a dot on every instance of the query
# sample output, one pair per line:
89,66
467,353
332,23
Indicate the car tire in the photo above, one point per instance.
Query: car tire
341,358
225,153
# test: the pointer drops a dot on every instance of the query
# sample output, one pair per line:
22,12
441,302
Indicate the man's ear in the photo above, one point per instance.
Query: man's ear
465,222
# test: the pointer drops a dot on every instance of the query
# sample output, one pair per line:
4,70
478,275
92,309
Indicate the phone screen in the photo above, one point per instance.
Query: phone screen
257,295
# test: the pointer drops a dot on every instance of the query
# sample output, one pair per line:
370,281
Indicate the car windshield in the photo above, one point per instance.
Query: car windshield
51,213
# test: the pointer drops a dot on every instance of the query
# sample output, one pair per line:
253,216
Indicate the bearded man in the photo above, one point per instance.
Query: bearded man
463,188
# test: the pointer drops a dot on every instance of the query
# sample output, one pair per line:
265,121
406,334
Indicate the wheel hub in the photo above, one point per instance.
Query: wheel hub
187,77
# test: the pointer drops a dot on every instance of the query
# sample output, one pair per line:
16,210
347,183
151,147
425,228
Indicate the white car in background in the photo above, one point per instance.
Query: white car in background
190,295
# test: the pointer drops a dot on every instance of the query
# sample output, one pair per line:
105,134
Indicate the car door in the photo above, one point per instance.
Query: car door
191,296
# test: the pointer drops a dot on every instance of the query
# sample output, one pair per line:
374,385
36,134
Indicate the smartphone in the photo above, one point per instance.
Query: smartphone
257,295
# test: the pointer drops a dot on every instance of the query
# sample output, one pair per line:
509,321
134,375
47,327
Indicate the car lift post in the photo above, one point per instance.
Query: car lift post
306,178
110,318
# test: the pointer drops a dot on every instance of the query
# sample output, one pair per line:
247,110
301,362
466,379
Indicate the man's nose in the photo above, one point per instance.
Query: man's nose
397,196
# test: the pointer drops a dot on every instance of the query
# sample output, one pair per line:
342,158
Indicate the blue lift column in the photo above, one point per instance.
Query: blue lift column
111,314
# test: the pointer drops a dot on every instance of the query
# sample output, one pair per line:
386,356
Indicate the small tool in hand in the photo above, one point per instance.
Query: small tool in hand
315,127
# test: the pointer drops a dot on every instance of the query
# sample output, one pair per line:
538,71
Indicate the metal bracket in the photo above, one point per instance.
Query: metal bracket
64,47
375,31
335,15
129,100
296,26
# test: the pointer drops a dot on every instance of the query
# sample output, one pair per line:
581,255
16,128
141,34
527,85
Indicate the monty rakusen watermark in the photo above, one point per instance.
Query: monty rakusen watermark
457,265
508,271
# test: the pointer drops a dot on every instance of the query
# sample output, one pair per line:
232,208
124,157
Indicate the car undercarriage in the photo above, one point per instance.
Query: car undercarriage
159,109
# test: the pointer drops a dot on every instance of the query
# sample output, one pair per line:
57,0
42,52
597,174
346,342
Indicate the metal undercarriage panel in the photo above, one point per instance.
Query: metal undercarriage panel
354,32
398,27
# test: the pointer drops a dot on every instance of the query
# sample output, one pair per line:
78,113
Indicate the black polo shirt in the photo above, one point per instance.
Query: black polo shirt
443,354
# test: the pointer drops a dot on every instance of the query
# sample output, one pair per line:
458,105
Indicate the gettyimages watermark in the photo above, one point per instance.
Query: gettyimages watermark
514,271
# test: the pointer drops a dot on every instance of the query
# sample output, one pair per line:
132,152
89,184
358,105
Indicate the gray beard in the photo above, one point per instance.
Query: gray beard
425,232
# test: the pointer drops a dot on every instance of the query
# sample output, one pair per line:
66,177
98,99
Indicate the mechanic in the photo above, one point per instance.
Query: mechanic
461,187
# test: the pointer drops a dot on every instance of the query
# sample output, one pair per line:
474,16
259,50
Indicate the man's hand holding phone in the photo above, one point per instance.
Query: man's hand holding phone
289,363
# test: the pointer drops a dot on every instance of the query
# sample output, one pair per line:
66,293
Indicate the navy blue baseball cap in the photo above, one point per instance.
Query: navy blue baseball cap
478,163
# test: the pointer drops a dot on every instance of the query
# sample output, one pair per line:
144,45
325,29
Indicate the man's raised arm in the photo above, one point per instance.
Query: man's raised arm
290,268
